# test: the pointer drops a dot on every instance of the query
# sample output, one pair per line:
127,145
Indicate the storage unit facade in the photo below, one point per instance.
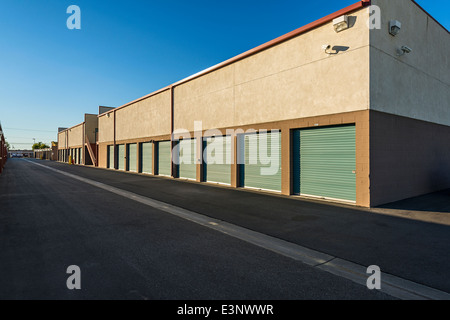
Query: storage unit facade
77,145
293,118
47,154
248,113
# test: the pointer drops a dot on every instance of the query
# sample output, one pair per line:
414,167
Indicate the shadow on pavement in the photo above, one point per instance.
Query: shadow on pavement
434,202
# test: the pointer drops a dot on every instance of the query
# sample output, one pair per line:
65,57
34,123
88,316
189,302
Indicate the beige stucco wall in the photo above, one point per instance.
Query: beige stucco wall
291,80
102,155
147,118
62,140
75,136
91,121
416,85
106,128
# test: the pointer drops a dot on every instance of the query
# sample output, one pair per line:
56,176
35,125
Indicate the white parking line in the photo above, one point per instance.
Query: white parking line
391,285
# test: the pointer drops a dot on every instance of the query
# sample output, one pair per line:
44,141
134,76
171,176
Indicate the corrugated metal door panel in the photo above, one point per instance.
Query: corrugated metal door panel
111,157
262,161
147,157
187,157
132,157
217,157
81,155
325,162
164,158
121,157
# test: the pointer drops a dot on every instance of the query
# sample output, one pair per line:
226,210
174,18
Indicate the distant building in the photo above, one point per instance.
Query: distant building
3,150
79,143
47,154
21,154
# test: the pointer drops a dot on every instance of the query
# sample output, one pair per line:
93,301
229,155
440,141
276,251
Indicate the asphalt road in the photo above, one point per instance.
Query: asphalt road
127,250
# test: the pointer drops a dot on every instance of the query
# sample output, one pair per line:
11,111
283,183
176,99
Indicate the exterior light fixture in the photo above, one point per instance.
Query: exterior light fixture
341,23
394,27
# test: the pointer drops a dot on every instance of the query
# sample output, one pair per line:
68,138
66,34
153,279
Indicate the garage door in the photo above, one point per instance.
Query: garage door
187,155
147,157
132,157
325,162
164,158
217,160
121,157
110,155
260,159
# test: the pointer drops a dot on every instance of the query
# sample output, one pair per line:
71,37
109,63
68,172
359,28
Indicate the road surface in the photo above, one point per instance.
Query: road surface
129,250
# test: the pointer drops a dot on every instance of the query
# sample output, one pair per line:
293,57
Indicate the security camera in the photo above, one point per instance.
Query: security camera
403,50
394,27
326,48
406,49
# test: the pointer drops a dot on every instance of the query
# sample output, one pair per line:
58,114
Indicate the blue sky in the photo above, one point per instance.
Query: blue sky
50,75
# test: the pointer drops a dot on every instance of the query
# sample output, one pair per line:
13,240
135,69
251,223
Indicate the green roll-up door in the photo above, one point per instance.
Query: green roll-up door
187,156
81,155
261,161
147,157
121,157
110,156
217,160
164,158
132,157
325,162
